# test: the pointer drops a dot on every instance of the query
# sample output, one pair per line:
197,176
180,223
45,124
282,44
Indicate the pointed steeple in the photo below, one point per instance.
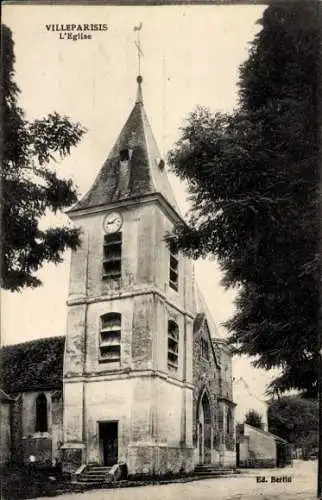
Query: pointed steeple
134,166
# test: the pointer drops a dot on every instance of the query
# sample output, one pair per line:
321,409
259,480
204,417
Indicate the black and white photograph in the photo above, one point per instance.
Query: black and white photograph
160,251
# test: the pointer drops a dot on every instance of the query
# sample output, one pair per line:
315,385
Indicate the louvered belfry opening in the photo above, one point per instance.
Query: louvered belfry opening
112,255
173,341
174,268
110,337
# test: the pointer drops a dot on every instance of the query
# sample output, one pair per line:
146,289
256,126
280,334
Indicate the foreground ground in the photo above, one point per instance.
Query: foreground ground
244,486
299,483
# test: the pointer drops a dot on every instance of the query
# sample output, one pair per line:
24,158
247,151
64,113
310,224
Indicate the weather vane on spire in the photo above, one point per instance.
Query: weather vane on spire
138,45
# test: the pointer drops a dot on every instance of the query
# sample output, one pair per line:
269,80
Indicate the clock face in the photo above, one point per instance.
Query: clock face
112,222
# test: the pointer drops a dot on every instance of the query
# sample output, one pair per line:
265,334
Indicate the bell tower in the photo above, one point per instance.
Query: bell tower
128,356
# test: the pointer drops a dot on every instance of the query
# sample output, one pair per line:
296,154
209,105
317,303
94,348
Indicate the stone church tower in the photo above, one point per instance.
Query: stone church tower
128,387
128,355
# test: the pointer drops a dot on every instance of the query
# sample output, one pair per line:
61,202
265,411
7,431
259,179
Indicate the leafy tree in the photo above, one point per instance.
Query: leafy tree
254,419
31,188
296,420
253,179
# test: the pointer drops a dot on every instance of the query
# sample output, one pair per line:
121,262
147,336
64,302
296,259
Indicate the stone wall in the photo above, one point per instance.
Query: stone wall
151,414
16,430
145,271
257,448
215,377
39,447
145,256
57,426
155,406
205,378
226,386
160,460
243,445
228,458
152,405
26,441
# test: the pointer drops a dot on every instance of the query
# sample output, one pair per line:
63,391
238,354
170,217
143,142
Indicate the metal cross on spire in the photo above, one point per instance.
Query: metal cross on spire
138,45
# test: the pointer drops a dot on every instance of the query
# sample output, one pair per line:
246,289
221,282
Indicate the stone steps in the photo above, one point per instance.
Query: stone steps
96,475
93,475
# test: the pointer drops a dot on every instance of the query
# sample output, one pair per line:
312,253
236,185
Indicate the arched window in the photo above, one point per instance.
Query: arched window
41,413
110,337
173,340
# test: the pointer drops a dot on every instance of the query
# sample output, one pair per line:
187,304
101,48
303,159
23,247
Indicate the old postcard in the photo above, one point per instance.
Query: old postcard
116,370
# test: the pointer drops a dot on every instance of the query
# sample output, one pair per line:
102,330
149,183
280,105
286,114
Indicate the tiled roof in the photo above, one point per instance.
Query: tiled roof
32,365
143,173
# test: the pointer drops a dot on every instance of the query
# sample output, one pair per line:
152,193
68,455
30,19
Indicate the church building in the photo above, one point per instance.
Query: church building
141,376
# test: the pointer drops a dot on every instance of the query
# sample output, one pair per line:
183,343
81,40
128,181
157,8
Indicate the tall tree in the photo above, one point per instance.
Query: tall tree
253,179
295,419
30,185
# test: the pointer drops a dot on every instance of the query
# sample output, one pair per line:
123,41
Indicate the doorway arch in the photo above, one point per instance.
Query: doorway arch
204,429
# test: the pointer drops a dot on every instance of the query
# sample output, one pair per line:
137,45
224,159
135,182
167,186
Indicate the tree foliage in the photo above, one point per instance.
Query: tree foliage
254,419
30,185
295,419
253,179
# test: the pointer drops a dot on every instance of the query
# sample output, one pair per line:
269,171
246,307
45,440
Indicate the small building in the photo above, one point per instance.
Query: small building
32,374
258,448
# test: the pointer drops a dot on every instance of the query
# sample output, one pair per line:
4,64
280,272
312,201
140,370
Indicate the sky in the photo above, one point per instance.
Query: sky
191,56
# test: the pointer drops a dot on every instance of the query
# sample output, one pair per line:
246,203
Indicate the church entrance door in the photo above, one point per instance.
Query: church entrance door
204,431
108,437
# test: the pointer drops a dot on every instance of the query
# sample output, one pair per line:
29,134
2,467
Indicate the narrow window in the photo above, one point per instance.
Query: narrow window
41,413
204,349
112,255
110,337
228,421
173,271
173,338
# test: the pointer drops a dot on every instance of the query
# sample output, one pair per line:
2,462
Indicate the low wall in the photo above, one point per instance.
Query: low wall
72,459
257,463
38,447
227,458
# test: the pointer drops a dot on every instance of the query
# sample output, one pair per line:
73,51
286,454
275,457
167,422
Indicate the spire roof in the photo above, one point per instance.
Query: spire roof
134,166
